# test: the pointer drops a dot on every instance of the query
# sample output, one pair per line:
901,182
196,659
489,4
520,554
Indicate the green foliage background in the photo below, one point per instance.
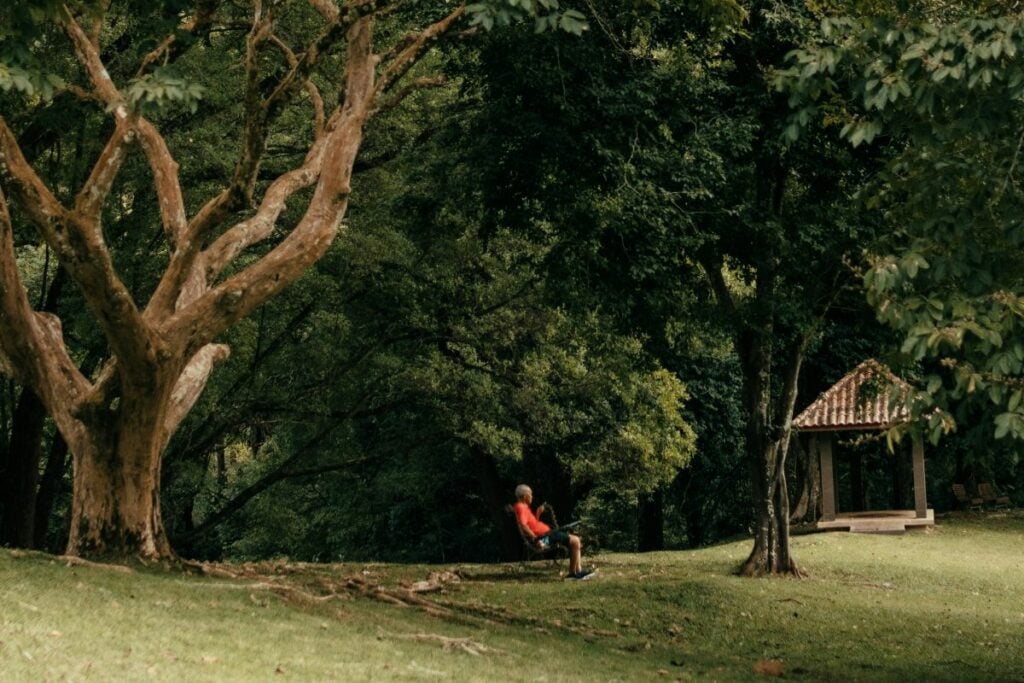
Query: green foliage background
519,293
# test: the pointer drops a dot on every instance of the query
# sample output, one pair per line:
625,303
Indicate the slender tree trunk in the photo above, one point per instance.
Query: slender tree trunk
18,487
25,448
651,522
767,442
551,482
497,494
49,487
808,506
222,468
693,506
801,472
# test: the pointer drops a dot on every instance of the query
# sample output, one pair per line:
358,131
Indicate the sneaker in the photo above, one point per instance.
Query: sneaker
581,576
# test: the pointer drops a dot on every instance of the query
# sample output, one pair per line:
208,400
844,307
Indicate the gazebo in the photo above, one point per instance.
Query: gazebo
845,408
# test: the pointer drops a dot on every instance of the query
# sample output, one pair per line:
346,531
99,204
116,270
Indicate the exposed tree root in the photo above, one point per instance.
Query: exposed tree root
279,578
751,569
71,561
762,563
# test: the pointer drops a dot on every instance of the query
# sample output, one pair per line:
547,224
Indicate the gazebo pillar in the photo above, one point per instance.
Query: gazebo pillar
828,481
920,487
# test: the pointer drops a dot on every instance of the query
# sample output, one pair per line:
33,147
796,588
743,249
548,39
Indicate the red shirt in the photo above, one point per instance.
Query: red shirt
526,517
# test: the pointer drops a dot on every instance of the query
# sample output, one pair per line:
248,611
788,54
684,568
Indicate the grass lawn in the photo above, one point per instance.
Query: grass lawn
944,605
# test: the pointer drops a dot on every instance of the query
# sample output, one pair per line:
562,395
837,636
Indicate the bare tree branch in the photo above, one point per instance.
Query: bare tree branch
414,51
41,205
713,272
242,236
202,19
161,162
190,386
78,242
230,301
31,345
280,473
186,279
311,90
89,202
417,84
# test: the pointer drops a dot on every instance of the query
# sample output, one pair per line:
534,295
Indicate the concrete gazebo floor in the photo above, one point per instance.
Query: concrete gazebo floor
878,521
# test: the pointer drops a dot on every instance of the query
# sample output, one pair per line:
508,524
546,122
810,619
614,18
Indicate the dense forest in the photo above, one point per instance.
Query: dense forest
326,280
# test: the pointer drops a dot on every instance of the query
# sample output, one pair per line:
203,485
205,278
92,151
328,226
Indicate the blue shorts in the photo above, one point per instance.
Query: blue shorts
556,537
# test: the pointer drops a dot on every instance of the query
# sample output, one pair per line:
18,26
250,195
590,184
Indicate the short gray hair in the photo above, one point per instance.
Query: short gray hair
522,490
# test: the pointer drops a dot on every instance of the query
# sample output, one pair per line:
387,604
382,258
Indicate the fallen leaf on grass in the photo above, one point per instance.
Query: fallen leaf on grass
769,667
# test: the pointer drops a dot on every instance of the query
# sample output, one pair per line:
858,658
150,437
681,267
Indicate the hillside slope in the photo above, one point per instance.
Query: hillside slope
942,605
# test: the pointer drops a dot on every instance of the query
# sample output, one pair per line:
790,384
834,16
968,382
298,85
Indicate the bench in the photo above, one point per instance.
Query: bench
965,501
991,497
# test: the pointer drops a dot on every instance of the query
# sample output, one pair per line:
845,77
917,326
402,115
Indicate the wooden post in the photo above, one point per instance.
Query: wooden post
828,482
920,486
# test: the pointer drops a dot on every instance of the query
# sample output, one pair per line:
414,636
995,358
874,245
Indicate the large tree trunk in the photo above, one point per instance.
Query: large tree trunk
118,425
767,442
115,511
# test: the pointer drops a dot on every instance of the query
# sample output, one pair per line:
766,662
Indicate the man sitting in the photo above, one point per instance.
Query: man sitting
544,535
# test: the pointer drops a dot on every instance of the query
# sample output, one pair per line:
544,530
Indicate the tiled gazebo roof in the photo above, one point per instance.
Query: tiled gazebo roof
842,406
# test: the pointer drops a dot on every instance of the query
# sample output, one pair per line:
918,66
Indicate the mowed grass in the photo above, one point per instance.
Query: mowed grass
944,605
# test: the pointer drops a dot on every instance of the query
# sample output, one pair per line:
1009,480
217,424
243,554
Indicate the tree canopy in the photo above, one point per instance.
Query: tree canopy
328,279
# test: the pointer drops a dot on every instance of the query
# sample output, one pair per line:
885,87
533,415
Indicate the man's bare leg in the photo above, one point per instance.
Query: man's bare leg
575,549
